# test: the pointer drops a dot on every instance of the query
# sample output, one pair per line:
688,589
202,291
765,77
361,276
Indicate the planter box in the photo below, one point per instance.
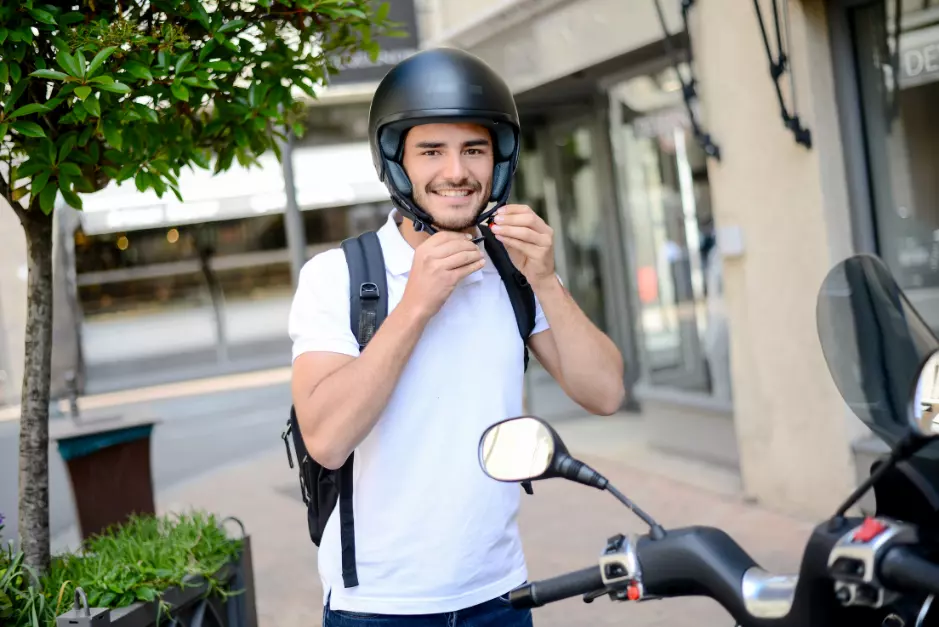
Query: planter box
189,606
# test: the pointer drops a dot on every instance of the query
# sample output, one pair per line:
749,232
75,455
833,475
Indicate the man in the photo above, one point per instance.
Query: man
436,540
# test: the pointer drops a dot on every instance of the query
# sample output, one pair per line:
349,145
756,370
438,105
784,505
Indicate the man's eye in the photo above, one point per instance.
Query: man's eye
431,152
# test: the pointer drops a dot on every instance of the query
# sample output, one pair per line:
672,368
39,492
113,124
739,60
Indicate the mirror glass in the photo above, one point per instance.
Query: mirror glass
926,398
517,449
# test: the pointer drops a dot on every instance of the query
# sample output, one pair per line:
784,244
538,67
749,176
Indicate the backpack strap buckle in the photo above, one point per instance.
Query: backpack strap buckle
369,291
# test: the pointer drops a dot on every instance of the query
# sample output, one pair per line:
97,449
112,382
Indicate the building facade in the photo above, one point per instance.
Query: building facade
697,235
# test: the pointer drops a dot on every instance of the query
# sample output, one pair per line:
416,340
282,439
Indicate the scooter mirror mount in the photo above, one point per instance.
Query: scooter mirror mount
526,448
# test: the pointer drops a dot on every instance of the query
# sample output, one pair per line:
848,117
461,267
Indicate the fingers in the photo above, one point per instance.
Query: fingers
461,259
520,215
531,251
523,233
469,269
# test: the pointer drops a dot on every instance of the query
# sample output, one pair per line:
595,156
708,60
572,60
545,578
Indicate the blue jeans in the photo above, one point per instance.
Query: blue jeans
494,613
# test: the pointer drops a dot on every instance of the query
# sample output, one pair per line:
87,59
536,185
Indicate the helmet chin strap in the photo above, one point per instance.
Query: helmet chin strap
423,222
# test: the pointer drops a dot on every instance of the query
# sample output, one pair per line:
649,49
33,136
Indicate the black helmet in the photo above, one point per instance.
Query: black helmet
441,85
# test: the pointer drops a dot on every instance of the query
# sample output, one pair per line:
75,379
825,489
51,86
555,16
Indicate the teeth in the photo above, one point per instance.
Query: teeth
453,192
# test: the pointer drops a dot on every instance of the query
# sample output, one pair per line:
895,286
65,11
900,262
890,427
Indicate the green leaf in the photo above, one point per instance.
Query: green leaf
115,88
71,18
3,34
234,24
192,81
3,129
42,16
70,169
180,91
147,112
30,129
73,199
68,63
83,92
146,593
85,136
65,147
4,72
16,72
47,197
39,182
48,150
112,133
142,180
207,50
93,106
102,80
138,70
221,66
80,56
181,63
99,59
50,74
29,110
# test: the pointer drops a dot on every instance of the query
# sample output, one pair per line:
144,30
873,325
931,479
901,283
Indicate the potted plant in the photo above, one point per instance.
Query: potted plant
145,573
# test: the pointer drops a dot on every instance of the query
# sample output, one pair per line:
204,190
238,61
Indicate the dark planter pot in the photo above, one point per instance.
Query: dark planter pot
190,606
108,461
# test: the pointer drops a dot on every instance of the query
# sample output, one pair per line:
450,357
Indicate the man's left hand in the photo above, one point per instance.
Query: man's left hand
529,241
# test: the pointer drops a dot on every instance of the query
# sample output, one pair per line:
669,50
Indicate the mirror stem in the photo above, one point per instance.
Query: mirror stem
657,531
582,473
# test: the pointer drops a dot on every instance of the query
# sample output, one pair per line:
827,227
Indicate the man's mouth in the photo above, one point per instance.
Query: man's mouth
453,193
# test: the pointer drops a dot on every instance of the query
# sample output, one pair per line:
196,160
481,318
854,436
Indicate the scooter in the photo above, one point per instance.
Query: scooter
875,570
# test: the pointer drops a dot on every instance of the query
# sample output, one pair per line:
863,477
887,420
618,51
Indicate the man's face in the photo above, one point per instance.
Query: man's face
450,167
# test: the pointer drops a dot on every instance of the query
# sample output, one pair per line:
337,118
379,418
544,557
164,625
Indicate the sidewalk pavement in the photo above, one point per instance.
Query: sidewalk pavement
564,526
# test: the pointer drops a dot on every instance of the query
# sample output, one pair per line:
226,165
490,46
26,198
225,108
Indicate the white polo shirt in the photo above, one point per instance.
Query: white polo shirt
433,533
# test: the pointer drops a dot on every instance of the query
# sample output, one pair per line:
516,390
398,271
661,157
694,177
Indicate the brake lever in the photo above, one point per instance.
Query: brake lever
596,594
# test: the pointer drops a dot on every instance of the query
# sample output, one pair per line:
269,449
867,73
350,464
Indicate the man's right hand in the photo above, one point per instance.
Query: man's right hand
442,261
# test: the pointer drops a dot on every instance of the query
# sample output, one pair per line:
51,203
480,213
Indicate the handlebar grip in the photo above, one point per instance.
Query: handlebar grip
903,570
538,593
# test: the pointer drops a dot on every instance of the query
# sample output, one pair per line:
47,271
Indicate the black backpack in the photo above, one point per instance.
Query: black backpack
321,487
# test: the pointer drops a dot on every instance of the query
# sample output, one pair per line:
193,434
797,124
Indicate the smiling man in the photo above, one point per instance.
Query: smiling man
436,541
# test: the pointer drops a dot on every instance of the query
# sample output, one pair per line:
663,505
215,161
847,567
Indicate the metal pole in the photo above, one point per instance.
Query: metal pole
293,219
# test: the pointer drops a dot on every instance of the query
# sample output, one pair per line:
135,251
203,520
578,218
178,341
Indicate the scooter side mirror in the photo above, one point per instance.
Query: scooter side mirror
524,448
925,405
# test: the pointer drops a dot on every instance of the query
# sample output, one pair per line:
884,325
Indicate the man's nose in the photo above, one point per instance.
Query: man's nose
455,169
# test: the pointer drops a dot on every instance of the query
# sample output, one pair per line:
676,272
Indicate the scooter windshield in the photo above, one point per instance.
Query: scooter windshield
875,343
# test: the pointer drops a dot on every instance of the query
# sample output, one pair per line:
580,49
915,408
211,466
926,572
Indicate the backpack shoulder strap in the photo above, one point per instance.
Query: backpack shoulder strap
520,292
368,289
368,307
521,295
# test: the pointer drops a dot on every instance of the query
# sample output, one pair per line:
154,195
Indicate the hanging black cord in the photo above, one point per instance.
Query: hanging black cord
688,91
776,68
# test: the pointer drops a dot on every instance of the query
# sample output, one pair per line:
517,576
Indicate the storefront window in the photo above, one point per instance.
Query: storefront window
900,100
665,199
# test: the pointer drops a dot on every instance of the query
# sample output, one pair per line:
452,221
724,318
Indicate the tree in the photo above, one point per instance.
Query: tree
93,91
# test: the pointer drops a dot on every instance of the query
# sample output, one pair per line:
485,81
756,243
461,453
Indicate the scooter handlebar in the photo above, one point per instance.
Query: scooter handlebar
538,593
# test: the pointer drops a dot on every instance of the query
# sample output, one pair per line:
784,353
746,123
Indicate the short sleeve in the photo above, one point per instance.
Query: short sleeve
319,313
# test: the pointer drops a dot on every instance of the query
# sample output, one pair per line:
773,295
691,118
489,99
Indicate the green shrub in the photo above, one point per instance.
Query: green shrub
137,561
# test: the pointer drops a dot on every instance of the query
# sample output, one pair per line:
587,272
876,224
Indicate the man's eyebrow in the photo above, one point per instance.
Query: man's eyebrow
431,145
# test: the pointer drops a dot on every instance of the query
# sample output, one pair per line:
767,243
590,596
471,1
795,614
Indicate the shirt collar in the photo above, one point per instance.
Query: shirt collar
399,255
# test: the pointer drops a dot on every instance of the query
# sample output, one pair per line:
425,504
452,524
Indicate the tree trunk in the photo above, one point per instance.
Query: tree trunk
34,421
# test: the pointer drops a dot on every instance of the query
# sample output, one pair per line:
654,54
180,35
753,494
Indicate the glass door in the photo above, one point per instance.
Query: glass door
683,336
578,216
